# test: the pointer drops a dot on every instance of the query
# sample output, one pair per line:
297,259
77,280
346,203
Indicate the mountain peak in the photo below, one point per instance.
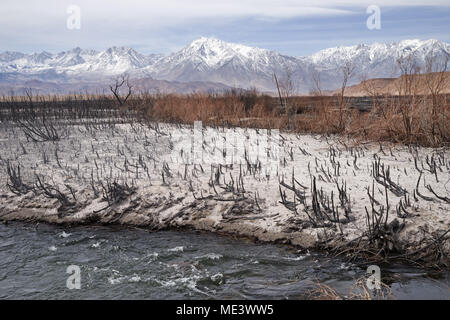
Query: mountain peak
205,43
215,52
411,42
76,50
119,50
203,40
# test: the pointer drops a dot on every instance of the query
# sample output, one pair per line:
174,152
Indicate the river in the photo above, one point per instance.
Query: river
128,263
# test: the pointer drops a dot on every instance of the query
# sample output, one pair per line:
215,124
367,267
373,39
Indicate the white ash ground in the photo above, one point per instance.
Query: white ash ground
168,194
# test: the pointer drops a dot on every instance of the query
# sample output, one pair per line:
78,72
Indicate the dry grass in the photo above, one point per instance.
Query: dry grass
421,120
323,292
415,121
359,291
412,120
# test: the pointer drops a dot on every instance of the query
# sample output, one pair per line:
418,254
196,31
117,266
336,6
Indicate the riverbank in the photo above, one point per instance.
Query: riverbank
355,199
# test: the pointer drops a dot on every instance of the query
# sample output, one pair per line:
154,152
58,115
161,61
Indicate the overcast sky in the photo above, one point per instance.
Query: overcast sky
289,26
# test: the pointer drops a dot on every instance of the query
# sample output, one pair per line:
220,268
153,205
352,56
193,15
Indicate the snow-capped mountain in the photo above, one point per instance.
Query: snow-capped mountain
379,59
237,65
78,62
213,60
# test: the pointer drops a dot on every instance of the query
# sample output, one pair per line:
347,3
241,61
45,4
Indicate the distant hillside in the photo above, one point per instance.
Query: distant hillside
392,86
142,85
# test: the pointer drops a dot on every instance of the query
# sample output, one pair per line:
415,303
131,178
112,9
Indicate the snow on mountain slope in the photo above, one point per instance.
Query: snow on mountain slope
8,56
115,60
378,51
379,59
209,59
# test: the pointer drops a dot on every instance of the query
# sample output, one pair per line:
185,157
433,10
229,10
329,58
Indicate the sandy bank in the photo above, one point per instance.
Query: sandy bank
303,190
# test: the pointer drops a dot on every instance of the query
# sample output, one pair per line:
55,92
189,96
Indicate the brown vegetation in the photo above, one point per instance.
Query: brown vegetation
422,120
418,112
416,119
359,291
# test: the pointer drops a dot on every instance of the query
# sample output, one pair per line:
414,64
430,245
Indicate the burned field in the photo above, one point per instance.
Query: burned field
83,162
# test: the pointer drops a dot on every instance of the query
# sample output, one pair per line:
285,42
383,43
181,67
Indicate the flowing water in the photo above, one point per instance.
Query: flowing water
125,263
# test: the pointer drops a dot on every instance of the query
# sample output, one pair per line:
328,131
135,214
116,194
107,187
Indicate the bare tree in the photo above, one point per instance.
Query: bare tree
436,78
120,81
408,88
286,89
408,67
436,75
346,70
278,88
317,89
285,85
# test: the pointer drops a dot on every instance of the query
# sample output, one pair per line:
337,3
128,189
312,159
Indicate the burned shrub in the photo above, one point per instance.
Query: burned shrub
39,130
115,192
16,184
53,192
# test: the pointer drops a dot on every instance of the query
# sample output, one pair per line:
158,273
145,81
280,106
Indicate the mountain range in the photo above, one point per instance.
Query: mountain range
208,64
